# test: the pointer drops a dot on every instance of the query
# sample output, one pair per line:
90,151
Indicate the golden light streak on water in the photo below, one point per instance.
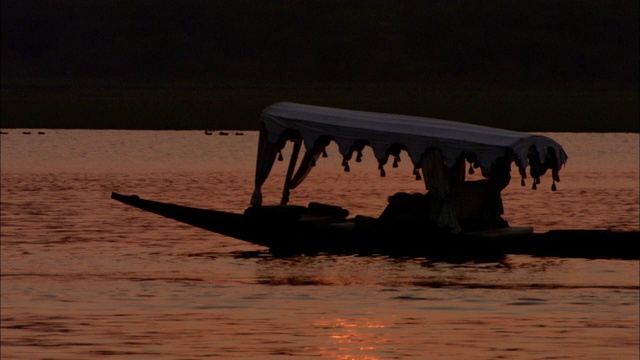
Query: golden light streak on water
86,277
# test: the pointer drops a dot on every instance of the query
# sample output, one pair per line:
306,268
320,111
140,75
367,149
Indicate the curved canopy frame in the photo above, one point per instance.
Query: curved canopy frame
437,147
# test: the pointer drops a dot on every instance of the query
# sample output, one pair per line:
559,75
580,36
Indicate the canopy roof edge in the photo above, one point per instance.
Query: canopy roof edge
415,134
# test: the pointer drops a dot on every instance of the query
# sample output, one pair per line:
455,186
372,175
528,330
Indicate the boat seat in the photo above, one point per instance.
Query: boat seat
275,212
335,211
316,219
348,225
504,232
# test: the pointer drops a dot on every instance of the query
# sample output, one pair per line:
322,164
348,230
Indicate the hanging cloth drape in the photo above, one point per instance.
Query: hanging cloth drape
443,182
308,162
499,178
267,153
292,165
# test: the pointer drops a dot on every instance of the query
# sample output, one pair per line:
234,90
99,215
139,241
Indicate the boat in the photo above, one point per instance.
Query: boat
455,217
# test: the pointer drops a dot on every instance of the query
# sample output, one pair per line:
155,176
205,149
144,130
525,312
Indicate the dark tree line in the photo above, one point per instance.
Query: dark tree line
503,42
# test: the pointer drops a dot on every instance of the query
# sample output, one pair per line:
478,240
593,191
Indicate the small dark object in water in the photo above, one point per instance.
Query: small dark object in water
40,132
207,132
26,132
239,133
223,133
3,132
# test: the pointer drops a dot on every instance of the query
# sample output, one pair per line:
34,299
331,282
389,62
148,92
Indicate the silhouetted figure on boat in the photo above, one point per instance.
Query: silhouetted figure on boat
477,205
406,209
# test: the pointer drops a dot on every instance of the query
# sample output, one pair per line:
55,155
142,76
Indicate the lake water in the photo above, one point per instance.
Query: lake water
84,276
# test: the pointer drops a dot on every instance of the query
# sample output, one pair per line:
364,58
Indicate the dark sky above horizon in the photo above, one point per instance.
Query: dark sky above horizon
502,42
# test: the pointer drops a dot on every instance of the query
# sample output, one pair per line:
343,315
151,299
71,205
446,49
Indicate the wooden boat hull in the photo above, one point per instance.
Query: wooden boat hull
287,236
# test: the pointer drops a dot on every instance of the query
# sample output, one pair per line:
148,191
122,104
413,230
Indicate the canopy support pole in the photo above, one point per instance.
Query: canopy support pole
292,164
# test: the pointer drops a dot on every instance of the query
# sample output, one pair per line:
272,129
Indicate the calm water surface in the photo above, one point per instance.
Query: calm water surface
84,276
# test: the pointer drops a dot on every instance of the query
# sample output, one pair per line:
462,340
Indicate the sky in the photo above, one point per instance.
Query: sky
78,63
502,42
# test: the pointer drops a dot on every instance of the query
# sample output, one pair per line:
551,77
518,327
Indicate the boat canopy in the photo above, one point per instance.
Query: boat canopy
438,148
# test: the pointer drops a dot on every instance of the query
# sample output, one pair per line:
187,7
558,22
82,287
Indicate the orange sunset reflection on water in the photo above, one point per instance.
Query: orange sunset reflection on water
349,338
84,277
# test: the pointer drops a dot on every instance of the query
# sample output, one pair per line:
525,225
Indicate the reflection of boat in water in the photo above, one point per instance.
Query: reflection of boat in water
223,133
208,132
454,217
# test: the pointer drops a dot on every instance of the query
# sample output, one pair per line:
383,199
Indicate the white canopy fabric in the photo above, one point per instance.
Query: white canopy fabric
388,134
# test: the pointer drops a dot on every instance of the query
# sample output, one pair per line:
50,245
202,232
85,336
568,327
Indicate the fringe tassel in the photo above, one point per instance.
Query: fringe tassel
324,153
522,183
471,171
359,156
280,157
553,186
396,160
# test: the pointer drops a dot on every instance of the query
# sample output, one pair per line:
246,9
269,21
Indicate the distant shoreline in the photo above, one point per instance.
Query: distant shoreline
230,105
